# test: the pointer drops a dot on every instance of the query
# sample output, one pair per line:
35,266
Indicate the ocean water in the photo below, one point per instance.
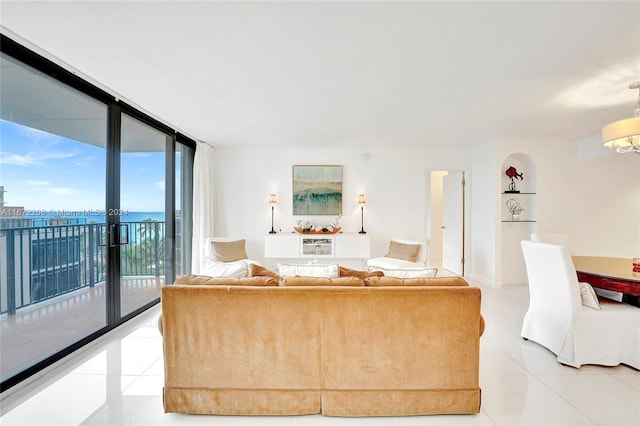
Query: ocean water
44,217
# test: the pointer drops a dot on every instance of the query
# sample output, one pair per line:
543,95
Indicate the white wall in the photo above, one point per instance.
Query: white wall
583,190
591,194
484,201
594,199
393,181
513,270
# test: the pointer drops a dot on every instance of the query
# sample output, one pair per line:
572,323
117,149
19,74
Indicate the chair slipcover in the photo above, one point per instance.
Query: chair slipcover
393,263
557,319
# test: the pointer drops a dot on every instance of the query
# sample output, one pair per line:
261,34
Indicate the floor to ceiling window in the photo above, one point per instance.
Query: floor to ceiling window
92,207
51,225
183,196
141,213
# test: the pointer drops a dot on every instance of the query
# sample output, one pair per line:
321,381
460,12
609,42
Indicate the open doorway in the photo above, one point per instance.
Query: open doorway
447,220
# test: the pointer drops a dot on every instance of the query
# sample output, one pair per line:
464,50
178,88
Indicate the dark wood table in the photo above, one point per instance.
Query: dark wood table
610,273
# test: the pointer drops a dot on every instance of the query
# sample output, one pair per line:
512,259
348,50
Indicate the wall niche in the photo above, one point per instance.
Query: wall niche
518,214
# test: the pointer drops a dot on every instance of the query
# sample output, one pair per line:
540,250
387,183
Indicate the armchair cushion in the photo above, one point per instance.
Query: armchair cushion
228,251
404,250
393,281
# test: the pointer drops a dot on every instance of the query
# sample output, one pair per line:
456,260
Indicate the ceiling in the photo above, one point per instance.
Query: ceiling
352,74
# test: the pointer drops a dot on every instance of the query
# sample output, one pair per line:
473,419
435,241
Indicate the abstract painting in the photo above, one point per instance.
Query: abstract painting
317,190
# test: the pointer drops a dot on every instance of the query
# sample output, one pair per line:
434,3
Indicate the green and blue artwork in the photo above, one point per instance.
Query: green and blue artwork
317,190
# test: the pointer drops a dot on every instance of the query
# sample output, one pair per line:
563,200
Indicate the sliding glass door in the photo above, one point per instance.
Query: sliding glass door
53,274
141,214
95,211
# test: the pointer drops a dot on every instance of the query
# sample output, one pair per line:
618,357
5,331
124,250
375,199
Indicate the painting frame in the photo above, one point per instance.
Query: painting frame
316,190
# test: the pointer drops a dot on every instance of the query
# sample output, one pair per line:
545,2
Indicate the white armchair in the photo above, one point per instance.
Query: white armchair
226,257
558,319
405,259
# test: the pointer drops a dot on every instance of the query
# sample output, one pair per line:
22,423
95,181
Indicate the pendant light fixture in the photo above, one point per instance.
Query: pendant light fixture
624,135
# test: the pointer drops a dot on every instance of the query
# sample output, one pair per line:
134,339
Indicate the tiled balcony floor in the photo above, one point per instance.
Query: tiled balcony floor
37,331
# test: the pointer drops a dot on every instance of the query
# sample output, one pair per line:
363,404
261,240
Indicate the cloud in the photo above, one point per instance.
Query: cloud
85,161
160,184
18,160
33,158
37,183
45,188
63,191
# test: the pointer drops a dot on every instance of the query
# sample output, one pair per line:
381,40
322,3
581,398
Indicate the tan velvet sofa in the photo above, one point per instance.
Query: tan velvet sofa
335,350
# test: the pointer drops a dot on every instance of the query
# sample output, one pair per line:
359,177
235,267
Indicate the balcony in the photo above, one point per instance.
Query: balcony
53,285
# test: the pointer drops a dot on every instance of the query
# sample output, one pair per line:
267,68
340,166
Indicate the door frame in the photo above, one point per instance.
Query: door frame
432,227
457,259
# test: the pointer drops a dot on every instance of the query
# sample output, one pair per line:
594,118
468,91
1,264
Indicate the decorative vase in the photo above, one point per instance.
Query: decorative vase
515,217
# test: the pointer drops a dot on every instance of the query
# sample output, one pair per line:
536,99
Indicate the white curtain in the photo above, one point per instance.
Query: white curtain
204,202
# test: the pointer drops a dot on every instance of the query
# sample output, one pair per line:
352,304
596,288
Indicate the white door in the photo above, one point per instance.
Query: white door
453,222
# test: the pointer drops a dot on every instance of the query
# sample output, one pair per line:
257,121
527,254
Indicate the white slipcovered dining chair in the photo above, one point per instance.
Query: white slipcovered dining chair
553,238
606,334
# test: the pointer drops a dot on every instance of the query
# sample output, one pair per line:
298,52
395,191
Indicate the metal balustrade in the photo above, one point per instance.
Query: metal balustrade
43,262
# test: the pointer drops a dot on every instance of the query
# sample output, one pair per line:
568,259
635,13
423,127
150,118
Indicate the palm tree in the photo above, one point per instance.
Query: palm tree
151,245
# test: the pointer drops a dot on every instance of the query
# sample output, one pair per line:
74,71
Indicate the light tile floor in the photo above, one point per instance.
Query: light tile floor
118,381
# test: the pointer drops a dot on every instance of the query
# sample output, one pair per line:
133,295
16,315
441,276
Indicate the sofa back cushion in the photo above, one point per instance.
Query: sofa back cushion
393,281
225,281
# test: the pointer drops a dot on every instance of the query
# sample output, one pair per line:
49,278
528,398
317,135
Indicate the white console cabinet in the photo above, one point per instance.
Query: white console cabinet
317,246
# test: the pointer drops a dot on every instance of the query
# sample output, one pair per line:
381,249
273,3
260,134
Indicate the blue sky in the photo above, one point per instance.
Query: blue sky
42,171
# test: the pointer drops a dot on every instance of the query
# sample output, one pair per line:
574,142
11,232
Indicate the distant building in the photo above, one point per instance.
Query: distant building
42,258
11,216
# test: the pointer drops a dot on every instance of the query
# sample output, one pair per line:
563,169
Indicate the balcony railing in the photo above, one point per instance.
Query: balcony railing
43,262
